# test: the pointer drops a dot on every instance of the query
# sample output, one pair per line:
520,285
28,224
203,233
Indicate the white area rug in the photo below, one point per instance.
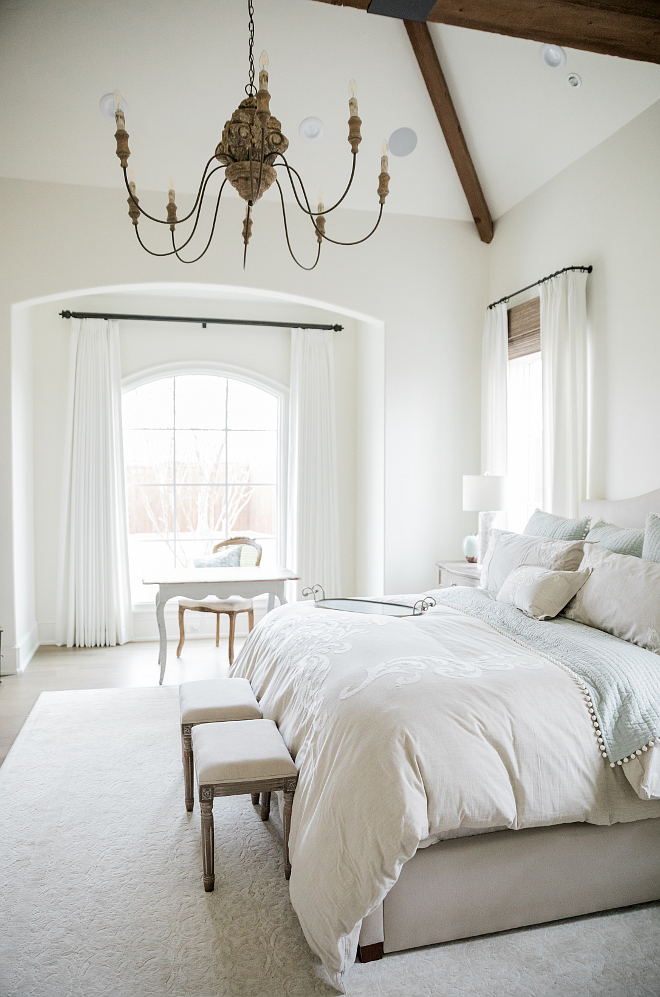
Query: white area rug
101,886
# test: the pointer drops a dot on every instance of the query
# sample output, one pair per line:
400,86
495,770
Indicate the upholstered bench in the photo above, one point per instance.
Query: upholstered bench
211,701
235,757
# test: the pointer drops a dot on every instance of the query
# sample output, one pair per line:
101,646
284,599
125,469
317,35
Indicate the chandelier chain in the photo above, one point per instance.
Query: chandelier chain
250,89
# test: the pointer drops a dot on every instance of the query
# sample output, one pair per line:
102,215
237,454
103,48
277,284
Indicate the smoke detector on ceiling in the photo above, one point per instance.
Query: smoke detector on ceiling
553,56
311,129
402,142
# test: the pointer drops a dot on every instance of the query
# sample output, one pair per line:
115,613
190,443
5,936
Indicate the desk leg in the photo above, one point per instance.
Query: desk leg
162,651
271,602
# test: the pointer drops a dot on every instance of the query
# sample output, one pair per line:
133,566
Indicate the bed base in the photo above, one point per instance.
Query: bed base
508,879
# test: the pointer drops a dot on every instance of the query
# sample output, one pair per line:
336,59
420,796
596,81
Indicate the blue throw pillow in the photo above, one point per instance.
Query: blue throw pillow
651,549
226,557
546,524
616,538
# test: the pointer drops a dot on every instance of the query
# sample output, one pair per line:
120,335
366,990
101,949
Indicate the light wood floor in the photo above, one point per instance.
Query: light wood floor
58,668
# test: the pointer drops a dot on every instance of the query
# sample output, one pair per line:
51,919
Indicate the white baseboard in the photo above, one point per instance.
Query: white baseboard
198,625
17,658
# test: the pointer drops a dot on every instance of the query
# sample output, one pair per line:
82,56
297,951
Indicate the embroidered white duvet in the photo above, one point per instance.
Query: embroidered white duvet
405,729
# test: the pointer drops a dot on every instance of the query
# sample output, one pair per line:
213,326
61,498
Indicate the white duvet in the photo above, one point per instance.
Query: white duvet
410,729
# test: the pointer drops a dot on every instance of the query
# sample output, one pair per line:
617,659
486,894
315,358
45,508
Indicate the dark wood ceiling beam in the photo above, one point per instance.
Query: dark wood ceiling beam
427,57
626,28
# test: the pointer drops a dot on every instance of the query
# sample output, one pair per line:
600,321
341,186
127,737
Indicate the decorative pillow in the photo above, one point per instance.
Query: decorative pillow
226,557
540,593
621,597
616,538
546,524
507,551
651,549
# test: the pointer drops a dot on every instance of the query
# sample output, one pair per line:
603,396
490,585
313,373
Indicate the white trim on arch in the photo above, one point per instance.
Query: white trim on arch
280,391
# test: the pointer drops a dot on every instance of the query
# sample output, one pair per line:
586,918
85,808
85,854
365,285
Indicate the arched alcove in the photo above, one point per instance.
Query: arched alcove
40,340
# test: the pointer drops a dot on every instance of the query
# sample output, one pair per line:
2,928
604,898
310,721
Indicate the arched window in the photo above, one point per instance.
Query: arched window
201,453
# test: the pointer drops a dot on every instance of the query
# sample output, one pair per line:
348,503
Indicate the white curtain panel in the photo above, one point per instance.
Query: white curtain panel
94,600
313,517
494,366
564,359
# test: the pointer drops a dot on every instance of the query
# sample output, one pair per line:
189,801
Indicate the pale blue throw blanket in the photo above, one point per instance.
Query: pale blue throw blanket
622,678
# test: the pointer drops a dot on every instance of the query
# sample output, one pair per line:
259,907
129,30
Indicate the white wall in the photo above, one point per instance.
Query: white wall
423,278
604,209
17,656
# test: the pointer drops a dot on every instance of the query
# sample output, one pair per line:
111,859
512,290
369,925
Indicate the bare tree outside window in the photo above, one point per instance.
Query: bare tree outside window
201,465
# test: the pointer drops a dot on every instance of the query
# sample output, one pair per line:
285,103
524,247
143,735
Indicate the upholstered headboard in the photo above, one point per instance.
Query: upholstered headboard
623,512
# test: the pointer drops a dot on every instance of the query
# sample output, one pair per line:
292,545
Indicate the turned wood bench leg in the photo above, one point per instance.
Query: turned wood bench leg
255,799
208,840
265,806
188,766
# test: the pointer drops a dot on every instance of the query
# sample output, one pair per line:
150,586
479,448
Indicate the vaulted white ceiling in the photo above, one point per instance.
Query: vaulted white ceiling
182,67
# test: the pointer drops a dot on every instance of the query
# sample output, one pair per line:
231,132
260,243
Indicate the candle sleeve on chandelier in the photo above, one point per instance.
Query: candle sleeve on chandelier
263,70
383,158
352,99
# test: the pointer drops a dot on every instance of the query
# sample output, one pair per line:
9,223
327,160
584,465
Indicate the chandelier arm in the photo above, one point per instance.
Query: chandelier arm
150,251
307,210
191,212
215,218
173,252
357,241
286,232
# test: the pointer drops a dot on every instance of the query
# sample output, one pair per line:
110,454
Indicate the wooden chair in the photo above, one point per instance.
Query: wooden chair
250,557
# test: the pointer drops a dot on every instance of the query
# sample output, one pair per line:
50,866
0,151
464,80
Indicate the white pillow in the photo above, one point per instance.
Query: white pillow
540,593
621,597
507,551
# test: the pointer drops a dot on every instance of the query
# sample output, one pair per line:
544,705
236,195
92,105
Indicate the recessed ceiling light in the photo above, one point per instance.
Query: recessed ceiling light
108,104
311,129
574,80
553,56
402,142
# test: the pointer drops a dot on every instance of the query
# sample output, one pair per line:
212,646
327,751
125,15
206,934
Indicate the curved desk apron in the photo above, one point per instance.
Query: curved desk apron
198,583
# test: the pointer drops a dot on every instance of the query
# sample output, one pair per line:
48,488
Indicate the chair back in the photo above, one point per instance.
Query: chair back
250,550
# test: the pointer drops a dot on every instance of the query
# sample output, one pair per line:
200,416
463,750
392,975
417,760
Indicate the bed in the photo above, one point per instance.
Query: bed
453,777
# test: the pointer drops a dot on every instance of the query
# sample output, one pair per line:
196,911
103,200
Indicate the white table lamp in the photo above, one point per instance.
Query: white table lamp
485,494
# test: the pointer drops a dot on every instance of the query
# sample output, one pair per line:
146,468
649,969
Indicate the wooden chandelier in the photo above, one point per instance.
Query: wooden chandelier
250,151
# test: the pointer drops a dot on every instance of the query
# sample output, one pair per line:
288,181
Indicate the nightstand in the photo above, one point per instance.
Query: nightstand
458,573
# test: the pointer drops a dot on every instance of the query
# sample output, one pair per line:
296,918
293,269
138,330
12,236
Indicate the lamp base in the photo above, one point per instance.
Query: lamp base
486,520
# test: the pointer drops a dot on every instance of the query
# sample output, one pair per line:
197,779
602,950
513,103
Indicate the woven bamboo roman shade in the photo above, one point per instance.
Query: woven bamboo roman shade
524,328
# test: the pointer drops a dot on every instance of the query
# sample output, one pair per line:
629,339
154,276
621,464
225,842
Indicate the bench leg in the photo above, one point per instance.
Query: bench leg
286,821
188,766
265,806
208,842
255,799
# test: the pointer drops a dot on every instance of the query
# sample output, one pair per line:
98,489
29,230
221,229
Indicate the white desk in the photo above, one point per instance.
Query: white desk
197,583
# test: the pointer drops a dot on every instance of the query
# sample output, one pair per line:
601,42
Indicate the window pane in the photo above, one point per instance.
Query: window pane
150,511
148,456
200,401
200,512
151,406
200,455
188,550
252,457
255,513
249,407
151,557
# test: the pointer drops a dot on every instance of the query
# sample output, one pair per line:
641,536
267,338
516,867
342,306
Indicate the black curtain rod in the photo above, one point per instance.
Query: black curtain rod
541,281
203,321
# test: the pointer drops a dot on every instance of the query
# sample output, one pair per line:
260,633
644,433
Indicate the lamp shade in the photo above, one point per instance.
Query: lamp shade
484,492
